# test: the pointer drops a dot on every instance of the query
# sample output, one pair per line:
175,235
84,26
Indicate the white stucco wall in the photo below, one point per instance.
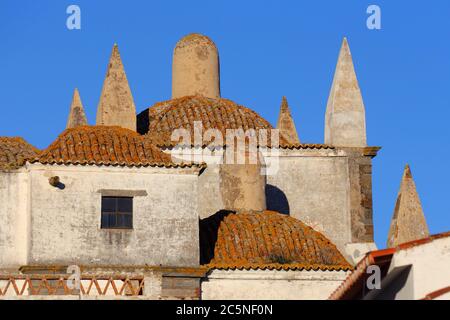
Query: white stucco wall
355,252
14,218
316,185
270,285
430,268
209,196
42,224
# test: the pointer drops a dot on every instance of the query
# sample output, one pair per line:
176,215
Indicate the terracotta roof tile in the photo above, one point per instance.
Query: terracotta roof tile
279,267
14,151
305,146
159,121
265,240
104,145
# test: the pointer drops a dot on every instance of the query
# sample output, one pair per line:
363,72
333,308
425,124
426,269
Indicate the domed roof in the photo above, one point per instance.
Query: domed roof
159,121
104,145
14,151
265,240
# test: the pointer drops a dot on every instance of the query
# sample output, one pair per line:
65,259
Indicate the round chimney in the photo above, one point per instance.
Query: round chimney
243,181
195,68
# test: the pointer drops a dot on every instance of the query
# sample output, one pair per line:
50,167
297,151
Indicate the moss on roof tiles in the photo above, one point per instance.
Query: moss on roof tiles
14,152
265,240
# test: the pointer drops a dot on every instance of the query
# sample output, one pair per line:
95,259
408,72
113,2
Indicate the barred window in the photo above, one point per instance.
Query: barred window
117,213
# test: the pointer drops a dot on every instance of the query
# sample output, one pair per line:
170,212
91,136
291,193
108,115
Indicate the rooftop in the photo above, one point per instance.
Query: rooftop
104,145
159,121
14,151
353,285
265,240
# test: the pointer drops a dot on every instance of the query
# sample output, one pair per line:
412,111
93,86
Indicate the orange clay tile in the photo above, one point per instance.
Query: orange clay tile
159,121
104,145
265,240
14,151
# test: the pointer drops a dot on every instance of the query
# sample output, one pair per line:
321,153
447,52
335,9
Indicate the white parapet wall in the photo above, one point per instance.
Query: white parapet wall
270,284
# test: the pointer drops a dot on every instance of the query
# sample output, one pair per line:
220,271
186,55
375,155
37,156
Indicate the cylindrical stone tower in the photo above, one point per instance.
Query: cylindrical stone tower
195,68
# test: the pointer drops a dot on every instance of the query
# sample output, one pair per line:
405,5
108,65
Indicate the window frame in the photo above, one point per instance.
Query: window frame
116,213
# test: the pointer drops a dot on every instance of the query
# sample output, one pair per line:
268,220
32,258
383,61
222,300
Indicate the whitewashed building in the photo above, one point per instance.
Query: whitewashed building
122,208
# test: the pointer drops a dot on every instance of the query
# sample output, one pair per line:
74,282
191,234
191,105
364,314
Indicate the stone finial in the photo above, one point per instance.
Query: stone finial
345,120
286,124
116,106
77,117
408,222
195,67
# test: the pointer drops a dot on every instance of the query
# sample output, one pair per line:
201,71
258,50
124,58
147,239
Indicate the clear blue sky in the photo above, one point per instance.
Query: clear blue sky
267,49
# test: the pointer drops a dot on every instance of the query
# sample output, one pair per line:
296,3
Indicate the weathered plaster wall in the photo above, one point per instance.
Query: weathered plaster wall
356,251
65,224
13,218
313,186
329,189
209,192
209,195
361,208
270,285
230,186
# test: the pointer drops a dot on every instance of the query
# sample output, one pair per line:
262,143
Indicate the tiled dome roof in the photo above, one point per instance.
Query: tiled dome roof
14,151
103,145
159,121
265,240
